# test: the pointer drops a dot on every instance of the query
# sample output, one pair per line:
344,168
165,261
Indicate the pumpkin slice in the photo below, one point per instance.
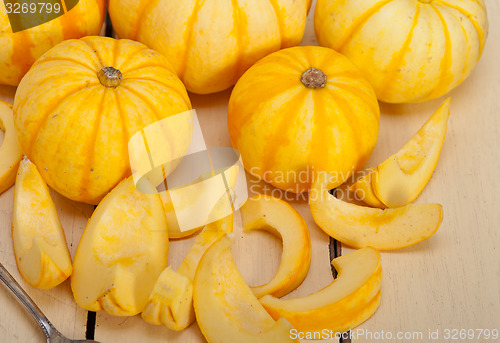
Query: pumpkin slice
53,24
226,309
347,302
40,246
399,179
211,43
122,252
394,43
171,301
263,212
10,150
360,226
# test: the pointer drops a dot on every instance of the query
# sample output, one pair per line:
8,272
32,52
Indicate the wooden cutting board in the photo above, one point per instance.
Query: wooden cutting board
450,281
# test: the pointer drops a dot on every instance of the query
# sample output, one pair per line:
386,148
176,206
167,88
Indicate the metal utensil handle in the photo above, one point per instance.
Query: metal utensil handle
24,298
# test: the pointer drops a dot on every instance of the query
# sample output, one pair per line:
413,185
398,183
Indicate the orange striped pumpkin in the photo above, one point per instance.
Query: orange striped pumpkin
303,110
20,49
80,103
211,43
411,50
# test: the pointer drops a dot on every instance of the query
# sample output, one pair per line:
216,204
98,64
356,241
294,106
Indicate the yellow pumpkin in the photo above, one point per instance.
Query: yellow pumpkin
303,110
80,103
20,48
211,43
410,51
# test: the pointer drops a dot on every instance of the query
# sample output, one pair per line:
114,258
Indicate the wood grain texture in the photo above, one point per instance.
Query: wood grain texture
449,281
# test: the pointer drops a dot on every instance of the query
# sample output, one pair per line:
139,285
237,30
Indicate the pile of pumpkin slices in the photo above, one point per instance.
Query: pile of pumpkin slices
124,272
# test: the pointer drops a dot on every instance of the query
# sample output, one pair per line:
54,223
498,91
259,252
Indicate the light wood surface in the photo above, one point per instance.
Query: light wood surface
450,281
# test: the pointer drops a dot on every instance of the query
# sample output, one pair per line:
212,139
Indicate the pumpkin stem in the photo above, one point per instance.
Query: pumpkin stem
313,78
110,77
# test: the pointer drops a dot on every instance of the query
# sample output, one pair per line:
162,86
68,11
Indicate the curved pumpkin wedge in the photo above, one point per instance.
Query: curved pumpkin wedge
360,226
399,179
226,309
174,231
347,302
263,212
40,246
10,150
121,253
171,301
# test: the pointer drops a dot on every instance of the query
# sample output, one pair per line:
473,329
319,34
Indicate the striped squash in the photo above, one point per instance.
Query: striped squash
303,110
20,49
410,50
211,42
80,103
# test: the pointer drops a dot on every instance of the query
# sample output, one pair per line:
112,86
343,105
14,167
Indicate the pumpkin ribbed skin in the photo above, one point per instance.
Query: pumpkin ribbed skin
410,50
287,132
74,128
211,42
19,50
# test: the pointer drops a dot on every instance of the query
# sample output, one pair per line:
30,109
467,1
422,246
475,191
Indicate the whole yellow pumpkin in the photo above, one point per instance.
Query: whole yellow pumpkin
211,43
80,103
410,51
21,43
300,111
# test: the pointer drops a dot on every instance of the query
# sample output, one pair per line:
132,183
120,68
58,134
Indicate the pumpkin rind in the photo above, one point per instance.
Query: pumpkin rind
427,49
19,50
287,132
75,128
211,43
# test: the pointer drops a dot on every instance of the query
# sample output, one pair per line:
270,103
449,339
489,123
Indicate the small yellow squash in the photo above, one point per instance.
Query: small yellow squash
10,150
300,111
81,102
411,50
40,246
211,43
